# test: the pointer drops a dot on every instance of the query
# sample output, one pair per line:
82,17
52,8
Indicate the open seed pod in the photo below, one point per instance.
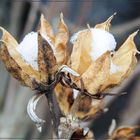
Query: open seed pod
95,58
15,63
36,59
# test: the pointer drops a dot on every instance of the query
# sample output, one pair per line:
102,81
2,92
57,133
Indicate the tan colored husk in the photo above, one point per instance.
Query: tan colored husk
11,65
105,25
61,41
127,133
10,45
97,74
125,59
80,57
87,108
84,108
64,97
46,60
46,29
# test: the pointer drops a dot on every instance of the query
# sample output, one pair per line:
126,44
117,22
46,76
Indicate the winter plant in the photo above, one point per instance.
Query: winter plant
78,81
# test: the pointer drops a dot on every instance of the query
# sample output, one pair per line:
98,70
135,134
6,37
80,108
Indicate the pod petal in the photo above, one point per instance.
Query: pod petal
61,41
125,60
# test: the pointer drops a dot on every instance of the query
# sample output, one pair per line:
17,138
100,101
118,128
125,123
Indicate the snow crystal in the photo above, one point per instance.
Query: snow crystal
74,37
102,41
28,48
114,68
75,93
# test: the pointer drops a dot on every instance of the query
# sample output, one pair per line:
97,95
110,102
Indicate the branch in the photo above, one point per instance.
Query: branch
53,112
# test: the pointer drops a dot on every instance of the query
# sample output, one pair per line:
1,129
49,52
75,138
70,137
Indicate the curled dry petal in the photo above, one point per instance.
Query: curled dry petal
31,111
112,127
14,61
65,68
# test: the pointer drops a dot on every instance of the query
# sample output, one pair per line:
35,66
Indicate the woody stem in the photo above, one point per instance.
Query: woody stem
53,112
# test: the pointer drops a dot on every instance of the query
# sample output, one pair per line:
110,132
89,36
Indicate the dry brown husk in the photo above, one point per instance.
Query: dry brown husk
125,133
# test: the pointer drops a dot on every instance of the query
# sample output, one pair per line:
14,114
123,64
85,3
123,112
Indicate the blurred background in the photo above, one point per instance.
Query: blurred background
22,16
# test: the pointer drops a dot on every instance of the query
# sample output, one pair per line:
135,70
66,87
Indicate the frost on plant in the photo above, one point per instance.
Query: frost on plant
80,80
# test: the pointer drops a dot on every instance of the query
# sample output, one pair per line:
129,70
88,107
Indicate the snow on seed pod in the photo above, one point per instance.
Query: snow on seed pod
94,57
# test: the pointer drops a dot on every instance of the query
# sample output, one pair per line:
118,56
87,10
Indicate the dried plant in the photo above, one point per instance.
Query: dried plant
79,80
122,133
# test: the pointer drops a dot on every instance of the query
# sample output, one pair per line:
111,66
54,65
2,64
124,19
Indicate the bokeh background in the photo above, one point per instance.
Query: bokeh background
22,16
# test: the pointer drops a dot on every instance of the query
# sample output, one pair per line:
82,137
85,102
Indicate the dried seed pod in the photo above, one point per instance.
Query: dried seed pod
127,133
79,106
37,63
83,45
88,58
86,108
15,63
